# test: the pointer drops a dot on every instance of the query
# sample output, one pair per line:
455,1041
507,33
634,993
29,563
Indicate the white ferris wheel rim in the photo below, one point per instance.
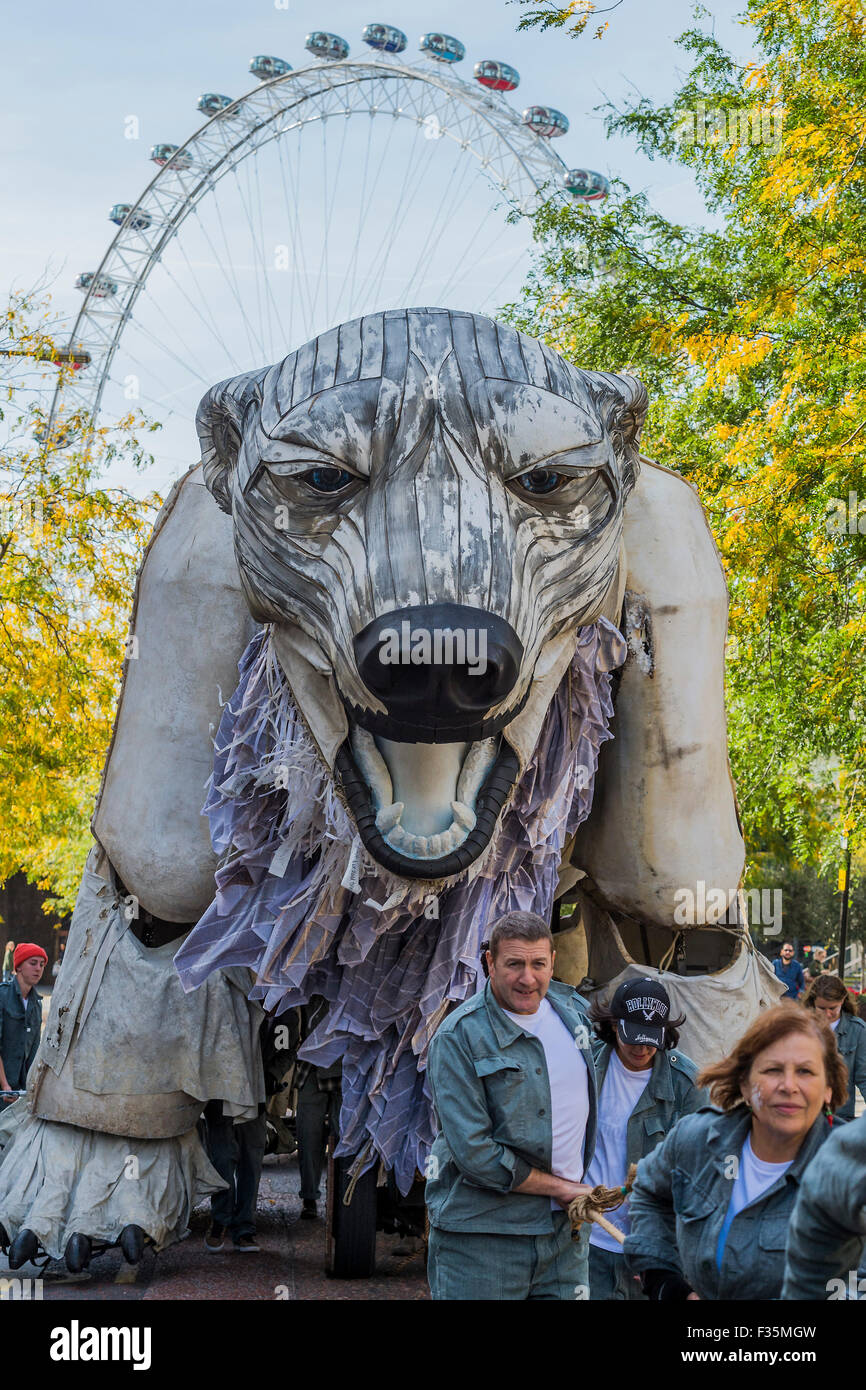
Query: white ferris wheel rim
521,164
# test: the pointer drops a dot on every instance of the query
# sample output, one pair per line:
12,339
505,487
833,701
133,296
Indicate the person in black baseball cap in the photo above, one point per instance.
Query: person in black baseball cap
644,1086
642,1009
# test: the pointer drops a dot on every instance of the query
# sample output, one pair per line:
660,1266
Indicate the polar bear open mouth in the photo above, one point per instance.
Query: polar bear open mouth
426,810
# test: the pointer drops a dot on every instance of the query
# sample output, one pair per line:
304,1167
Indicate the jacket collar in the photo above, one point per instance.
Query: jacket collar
660,1085
19,996
504,1028
730,1128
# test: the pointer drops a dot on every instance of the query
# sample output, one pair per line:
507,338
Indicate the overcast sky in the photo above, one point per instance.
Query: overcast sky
73,74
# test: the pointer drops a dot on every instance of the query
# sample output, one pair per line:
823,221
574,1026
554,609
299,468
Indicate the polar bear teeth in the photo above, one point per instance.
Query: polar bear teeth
374,769
478,762
425,846
389,816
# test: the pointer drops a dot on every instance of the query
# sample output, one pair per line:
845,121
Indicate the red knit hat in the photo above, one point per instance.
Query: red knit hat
26,951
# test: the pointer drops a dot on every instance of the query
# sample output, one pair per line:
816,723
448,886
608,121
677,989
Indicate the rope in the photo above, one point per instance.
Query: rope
668,958
357,1172
590,1206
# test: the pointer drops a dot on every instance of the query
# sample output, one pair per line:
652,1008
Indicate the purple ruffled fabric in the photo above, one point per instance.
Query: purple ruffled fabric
302,904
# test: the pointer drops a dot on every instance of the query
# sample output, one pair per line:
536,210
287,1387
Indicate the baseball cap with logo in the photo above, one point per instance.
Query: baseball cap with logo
642,1008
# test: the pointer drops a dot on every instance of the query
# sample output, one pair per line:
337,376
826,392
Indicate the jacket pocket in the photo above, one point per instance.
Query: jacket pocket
690,1202
773,1232
503,1081
492,1066
654,1128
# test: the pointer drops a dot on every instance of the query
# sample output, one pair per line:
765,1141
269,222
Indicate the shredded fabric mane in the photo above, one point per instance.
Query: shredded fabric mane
301,903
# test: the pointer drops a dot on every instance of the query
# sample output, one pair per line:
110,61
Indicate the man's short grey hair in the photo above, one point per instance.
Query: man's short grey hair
519,926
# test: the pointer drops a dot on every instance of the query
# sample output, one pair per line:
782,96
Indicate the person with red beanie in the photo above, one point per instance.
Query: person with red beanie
21,1016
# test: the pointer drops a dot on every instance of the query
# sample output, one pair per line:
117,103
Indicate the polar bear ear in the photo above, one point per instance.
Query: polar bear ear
623,401
220,422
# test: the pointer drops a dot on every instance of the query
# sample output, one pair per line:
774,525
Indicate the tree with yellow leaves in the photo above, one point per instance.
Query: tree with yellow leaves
573,17
69,547
749,334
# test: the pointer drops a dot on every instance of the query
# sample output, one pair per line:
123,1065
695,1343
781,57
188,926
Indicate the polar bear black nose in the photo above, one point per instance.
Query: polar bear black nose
441,665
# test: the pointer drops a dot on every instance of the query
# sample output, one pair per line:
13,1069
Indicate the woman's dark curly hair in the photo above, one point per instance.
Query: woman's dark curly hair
605,1026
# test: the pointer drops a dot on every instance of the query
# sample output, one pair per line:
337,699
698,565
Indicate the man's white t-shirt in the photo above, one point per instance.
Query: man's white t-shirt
835,1025
569,1089
620,1093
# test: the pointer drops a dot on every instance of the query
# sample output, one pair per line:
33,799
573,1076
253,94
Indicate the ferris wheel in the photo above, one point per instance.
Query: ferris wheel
325,192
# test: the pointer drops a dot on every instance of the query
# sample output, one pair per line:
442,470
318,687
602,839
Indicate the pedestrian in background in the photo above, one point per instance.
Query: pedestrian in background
237,1152
789,972
318,1115
21,1016
7,961
316,1098
644,1087
513,1085
711,1206
829,996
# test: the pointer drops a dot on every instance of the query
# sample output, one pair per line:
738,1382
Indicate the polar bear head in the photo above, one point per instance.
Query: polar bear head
427,505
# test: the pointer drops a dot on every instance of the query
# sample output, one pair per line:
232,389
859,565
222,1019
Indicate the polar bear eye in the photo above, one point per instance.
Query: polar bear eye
327,479
539,482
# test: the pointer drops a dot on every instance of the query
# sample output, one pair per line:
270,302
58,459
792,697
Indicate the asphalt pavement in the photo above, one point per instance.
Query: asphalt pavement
289,1266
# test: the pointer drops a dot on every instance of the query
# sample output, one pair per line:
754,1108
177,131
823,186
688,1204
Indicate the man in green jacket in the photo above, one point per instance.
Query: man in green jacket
644,1086
514,1091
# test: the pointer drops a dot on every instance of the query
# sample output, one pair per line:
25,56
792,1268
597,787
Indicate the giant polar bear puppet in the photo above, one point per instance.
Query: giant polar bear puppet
480,644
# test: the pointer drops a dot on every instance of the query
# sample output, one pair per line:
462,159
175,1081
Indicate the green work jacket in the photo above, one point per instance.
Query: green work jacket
827,1234
491,1095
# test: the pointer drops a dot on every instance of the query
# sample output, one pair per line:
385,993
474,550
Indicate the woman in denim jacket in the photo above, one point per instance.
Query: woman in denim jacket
829,996
711,1205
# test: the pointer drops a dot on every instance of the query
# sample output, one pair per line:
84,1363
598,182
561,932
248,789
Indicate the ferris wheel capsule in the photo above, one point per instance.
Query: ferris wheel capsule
138,222
385,38
212,103
264,68
100,286
328,46
586,185
499,77
69,357
443,47
167,156
545,121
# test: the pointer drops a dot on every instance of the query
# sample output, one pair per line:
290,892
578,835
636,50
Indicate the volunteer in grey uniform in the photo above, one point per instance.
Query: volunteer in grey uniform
645,1085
